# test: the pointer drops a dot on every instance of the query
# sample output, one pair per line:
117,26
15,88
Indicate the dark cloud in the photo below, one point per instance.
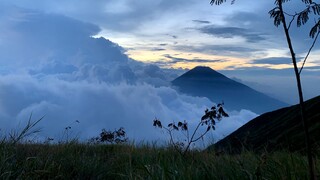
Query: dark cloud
174,60
52,38
272,61
230,32
158,49
265,71
201,21
275,60
236,50
121,16
261,22
312,68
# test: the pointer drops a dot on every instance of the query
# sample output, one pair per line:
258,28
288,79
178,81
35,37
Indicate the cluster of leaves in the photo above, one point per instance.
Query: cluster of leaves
216,113
210,116
110,137
302,16
183,126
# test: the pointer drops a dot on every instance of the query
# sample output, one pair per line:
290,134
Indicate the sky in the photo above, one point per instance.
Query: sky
109,63
188,33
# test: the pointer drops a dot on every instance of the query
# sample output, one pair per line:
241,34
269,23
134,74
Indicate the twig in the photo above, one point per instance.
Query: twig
305,59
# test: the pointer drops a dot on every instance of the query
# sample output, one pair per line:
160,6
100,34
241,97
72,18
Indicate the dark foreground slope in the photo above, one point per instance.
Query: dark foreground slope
205,82
280,129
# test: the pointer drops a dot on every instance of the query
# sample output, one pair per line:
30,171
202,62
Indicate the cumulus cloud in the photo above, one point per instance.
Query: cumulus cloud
102,105
53,67
95,105
230,124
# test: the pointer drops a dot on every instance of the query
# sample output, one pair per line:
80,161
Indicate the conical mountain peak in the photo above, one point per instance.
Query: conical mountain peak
205,82
203,71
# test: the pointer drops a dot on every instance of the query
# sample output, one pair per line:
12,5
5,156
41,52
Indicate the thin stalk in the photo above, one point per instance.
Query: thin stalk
192,140
305,59
301,101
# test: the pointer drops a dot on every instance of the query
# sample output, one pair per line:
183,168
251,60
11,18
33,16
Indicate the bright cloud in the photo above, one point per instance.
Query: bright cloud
52,66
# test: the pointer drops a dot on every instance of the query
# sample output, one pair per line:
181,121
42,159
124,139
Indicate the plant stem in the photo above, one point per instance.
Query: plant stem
301,101
191,140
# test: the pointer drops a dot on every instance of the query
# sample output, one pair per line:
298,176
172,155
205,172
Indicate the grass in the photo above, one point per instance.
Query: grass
83,161
23,159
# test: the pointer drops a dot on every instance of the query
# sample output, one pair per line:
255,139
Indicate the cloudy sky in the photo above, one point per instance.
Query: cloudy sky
187,33
108,63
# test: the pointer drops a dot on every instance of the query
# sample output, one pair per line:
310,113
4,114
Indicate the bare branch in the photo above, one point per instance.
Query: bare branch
293,17
305,59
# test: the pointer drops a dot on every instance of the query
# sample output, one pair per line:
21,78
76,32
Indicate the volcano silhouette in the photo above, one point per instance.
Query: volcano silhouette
206,82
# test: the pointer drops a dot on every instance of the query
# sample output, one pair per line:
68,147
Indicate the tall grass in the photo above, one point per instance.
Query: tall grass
73,160
83,161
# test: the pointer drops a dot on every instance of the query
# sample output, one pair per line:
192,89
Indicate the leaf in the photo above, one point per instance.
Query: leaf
157,123
175,127
185,127
315,29
303,17
316,9
217,2
208,128
204,117
222,112
179,124
307,1
169,125
276,15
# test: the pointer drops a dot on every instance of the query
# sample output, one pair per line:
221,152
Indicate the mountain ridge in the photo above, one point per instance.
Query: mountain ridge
279,129
206,82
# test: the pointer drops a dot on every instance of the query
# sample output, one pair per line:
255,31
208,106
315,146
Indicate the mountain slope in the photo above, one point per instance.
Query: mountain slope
204,81
275,130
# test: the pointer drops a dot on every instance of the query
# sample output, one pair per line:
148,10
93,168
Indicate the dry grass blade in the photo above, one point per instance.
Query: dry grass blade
26,131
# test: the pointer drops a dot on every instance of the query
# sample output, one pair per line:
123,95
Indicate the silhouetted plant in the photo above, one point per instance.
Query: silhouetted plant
110,137
216,113
67,134
280,17
28,130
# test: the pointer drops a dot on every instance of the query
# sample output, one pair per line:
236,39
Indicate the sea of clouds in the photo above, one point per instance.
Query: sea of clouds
51,66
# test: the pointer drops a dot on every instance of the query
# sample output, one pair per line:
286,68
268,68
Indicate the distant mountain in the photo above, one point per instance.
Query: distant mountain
204,81
280,129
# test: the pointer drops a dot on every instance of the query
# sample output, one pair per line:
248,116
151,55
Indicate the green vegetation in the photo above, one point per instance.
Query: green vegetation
216,113
110,156
105,158
83,161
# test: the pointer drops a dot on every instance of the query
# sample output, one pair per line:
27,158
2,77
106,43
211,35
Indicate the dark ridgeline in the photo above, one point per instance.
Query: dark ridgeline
280,129
205,82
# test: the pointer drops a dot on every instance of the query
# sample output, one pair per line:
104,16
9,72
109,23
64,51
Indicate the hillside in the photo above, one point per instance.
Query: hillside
204,81
280,129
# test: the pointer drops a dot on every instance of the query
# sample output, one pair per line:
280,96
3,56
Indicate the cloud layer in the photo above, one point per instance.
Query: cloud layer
53,67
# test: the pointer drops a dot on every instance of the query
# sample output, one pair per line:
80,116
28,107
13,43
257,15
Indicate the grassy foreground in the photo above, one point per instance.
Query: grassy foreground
82,161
